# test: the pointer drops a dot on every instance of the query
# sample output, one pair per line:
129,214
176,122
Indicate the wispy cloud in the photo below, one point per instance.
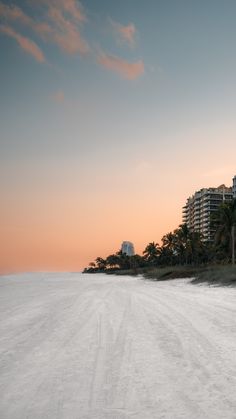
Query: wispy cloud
71,7
124,68
25,43
60,25
65,33
125,34
13,13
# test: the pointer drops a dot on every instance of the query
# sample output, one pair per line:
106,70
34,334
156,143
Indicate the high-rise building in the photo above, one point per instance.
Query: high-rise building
199,208
127,248
234,187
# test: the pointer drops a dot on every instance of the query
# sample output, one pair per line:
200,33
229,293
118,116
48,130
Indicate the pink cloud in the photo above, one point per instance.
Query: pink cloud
73,8
14,13
25,43
125,33
43,29
126,69
57,29
65,33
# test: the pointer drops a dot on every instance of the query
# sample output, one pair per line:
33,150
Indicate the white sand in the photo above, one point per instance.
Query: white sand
78,346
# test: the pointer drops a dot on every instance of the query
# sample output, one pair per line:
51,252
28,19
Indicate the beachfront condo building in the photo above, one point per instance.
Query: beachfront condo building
234,187
199,208
127,248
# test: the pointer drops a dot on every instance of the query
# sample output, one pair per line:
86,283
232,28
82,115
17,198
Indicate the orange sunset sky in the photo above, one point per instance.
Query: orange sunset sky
111,115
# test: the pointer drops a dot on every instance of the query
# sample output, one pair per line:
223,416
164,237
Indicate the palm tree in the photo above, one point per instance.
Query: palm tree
180,240
168,240
113,261
101,263
166,256
92,265
195,247
183,246
151,253
167,248
187,245
224,220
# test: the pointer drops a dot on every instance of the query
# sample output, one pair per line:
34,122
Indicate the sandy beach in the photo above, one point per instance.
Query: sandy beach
76,346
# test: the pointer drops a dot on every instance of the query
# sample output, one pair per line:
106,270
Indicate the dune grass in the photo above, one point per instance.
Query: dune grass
217,275
224,275
172,272
212,275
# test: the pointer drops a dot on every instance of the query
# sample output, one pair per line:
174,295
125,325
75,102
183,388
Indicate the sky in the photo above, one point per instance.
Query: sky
111,115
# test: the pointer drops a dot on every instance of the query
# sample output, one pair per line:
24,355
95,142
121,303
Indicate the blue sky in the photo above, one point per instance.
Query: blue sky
142,108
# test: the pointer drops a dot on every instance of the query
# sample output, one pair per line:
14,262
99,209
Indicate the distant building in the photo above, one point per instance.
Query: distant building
199,208
127,248
234,187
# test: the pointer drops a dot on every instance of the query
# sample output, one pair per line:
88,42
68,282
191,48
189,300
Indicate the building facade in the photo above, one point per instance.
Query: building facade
199,208
127,248
234,187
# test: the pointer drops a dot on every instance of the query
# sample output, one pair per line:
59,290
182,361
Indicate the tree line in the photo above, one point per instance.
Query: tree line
181,247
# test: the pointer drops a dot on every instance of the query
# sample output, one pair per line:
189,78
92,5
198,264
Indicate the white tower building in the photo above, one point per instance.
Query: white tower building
127,248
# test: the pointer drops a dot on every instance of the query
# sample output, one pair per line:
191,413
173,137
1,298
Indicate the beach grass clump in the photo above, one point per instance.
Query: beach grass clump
211,274
172,272
217,275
